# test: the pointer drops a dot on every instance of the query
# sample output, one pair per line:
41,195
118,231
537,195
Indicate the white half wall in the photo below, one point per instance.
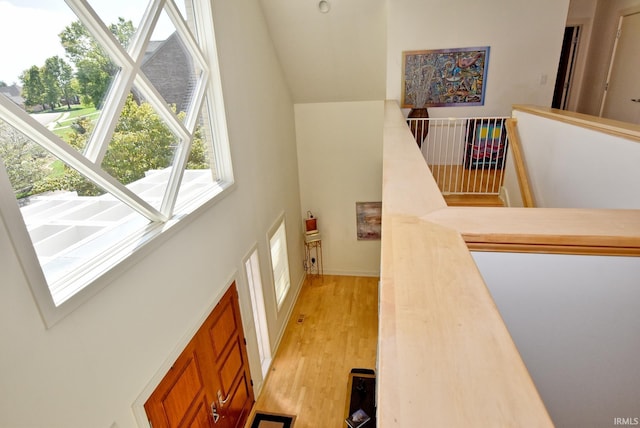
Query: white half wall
573,167
575,322
340,163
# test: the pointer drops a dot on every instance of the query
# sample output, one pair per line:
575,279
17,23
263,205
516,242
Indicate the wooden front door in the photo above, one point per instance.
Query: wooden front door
209,385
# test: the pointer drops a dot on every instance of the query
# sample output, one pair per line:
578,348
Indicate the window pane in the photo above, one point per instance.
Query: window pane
280,263
200,173
141,133
68,226
171,68
48,17
123,20
142,146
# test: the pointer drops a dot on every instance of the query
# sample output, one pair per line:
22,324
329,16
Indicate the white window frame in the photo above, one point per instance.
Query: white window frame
279,262
163,220
254,281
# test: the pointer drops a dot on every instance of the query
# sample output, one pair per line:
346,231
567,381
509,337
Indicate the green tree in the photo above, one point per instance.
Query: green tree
141,142
95,70
57,77
94,76
24,161
52,92
32,87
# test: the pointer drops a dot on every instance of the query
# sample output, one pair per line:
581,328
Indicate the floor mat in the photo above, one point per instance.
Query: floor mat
272,420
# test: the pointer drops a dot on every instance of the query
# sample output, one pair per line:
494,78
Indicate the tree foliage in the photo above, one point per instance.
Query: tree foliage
32,86
94,68
141,142
24,161
57,77
46,85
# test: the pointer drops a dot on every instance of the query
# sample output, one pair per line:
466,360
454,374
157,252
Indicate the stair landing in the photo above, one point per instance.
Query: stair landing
470,200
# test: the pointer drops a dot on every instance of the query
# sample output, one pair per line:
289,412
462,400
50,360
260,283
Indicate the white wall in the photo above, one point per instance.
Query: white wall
525,40
90,368
574,167
337,56
575,322
340,163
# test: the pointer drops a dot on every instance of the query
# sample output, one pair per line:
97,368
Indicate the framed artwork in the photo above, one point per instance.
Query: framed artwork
444,77
486,143
368,220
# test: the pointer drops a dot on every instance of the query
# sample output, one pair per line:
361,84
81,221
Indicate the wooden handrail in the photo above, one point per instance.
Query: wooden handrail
612,127
519,163
440,333
545,230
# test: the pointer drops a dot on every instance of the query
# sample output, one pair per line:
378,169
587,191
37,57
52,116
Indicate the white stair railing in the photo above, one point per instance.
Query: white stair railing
465,155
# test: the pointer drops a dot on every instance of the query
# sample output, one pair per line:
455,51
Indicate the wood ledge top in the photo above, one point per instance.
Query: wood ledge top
445,355
608,126
572,229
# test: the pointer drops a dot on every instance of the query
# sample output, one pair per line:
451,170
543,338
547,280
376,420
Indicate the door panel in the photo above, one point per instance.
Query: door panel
212,372
180,398
238,410
231,366
223,329
229,356
184,393
201,418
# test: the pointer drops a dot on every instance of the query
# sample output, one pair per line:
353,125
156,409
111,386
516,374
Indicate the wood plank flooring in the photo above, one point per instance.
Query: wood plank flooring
457,178
333,328
470,200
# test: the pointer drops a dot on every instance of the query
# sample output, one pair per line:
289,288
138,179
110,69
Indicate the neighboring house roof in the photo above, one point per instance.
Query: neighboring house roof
13,92
169,67
151,48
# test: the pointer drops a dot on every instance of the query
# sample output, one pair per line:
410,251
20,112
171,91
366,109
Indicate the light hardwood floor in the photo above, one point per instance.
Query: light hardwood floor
457,178
471,200
333,328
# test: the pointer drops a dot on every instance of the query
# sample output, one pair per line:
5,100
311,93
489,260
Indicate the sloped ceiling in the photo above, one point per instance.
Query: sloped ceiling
330,57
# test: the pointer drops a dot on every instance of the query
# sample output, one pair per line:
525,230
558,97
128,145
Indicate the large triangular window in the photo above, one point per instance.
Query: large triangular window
108,138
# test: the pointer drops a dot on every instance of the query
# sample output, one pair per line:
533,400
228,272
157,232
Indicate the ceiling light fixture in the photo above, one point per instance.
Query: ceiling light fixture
324,6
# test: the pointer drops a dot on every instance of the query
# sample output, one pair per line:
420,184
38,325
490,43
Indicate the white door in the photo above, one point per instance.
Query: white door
622,96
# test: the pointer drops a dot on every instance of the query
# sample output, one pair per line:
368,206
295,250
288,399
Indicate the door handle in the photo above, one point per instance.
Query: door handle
222,401
214,413
635,100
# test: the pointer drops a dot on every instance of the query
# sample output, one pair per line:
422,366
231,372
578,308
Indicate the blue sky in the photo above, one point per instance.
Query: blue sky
29,29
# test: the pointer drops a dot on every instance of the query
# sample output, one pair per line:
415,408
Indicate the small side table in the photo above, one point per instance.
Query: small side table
313,254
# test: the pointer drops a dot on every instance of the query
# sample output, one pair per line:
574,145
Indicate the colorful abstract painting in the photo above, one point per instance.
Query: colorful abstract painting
444,77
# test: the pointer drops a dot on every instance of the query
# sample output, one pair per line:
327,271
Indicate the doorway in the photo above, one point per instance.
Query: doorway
566,67
621,99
